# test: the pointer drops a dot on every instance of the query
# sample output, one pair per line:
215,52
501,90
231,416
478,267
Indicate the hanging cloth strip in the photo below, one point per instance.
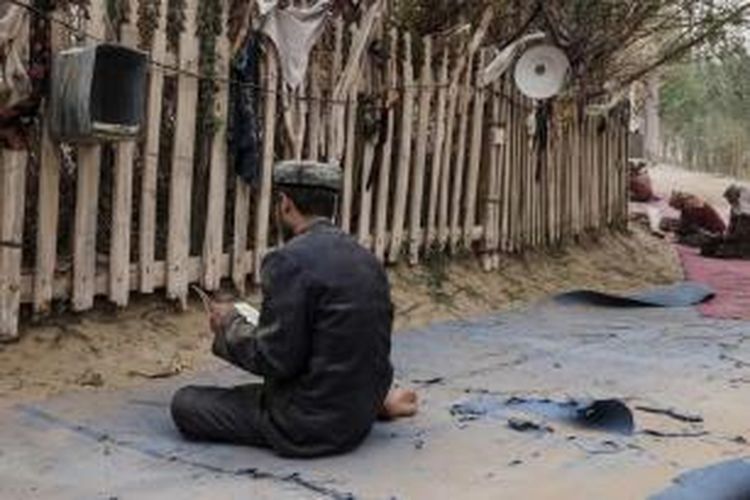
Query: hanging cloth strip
25,63
15,84
294,31
245,131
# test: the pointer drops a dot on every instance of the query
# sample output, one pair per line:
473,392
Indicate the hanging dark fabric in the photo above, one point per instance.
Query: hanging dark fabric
245,134
17,120
541,140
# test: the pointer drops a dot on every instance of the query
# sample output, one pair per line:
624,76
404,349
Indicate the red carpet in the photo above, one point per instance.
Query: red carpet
730,279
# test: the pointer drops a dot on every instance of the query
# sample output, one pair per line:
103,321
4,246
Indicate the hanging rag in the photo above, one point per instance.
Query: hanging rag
294,31
245,132
542,119
25,62
15,84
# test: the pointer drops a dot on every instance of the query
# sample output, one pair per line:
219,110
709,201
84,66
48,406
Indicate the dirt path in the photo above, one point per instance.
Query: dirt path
108,349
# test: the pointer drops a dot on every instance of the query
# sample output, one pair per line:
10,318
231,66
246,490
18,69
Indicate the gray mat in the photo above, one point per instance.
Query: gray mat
122,443
725,481
683,294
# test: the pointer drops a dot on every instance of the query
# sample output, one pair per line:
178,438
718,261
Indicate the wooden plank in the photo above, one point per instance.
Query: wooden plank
464,98
384,177
240,265
475,155
446,172
336,109
63,282
366,188
437,153
349,145
505,176
405,153
147,215
122,196
48,210
213,242
314,110
490,192
420,162
87,198
13,166
48,202
262,221
122,203
347,199
181,182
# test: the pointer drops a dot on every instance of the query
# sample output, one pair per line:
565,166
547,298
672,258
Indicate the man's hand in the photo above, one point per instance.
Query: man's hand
219,315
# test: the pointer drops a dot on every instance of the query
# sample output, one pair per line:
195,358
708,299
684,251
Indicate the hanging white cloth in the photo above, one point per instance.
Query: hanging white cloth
294,31
15,84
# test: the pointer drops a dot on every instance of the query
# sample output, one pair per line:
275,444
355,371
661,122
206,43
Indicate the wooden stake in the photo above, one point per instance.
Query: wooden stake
240,264
491,202
405,153
264,205
475,156
351,150
384,178
122,198
314,130
420,163
366,188
336,109
213,242
48,200
447,165
13,166
153,136
464,97
87,200
48,208
437,154
181,182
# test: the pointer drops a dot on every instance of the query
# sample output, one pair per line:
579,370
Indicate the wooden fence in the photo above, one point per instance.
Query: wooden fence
432,162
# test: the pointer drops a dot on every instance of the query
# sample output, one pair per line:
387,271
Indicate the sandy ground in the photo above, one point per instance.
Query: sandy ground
668,178
107,348
122,444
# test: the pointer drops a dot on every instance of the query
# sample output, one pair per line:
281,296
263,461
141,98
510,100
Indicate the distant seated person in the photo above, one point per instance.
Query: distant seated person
640,186
699,222
735,244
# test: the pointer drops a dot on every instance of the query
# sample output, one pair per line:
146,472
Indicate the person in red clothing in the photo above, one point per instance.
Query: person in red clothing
699,222
640,186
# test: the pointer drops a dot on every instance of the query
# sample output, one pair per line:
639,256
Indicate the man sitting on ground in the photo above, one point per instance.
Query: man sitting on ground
699,222
736,243
322,344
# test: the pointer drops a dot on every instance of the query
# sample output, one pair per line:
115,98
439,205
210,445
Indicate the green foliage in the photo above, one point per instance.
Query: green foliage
706,106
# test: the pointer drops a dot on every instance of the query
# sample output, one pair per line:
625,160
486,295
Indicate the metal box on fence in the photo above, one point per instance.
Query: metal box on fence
98,93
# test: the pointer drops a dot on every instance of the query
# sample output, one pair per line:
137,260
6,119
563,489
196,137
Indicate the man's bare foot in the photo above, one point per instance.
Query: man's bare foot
399,403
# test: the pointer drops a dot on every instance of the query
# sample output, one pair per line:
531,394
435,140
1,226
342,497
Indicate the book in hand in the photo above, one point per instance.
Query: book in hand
249,313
